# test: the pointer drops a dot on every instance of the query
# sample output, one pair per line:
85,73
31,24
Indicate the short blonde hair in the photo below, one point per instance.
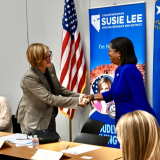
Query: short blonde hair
140,135
104,80
36,52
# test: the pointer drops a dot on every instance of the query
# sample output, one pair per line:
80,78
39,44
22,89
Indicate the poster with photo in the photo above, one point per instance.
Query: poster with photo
107,23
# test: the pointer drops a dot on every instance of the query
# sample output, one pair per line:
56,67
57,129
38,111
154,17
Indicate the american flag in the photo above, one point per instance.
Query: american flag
73,66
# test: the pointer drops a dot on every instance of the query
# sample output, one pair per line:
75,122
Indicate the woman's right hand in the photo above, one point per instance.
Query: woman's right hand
83,102
88,97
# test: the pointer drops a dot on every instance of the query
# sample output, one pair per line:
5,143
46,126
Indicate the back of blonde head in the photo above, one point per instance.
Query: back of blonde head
140,135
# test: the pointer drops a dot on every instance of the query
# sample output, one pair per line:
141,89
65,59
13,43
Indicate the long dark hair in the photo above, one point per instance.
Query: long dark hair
125,46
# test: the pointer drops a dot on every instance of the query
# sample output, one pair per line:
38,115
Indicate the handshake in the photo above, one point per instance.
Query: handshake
84,100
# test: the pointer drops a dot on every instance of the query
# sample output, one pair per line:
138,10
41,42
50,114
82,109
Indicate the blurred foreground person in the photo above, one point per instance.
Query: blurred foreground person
5,116
139,136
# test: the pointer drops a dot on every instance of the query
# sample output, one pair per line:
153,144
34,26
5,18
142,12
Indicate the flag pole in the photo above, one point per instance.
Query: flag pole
70,68
70,129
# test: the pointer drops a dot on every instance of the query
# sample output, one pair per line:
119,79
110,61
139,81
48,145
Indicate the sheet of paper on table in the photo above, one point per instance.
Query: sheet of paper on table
18,138
4,143
43,154
86,157
80,149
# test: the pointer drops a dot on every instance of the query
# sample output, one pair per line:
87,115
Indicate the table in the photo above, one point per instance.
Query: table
103,153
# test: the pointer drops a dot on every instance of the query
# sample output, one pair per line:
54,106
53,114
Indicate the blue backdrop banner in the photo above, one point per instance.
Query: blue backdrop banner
156,65
107,23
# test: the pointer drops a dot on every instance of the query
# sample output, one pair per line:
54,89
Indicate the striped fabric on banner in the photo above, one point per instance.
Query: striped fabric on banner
73,66
156,65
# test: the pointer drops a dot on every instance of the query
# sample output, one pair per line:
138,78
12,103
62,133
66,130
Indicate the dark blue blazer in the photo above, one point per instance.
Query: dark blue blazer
128,91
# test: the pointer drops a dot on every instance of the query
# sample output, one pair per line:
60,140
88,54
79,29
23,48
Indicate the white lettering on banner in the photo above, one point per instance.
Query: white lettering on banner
112,140
108,20
139,17
113,20
107,46
133,25
103,46
108,129
119,26
134,18
112,14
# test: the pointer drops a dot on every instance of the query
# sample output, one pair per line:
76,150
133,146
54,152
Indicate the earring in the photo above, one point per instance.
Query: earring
119,57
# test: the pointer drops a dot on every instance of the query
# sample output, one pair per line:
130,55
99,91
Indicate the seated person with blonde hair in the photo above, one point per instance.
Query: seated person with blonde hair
139,135
5,116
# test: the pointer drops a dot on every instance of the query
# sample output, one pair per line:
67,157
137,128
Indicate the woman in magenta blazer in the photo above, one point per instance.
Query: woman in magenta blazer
127,89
